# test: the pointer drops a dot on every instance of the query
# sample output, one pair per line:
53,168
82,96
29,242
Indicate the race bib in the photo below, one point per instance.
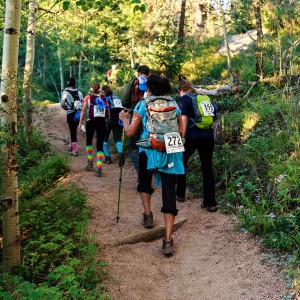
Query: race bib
117,103
99,112
208,109
77,104
173,142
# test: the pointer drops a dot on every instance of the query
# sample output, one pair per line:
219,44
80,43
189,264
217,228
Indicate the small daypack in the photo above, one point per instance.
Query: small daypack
115,102
204,111
76,103
98,108
115,106
162,119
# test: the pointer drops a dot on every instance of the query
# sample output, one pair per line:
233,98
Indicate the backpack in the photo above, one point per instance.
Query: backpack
204,111
162,119
98,108
132,94
76,103
115,106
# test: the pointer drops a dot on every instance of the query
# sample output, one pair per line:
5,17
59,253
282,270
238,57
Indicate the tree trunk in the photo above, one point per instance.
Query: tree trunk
61,71
259,41
132,53
29,63
226,42
79,70
9,186
181,23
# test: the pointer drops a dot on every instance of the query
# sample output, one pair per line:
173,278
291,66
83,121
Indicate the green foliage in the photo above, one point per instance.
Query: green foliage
201,65
58,255
260,174
58,258
41,178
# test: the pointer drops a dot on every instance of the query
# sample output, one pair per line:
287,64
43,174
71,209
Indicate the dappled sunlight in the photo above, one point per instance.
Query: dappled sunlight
249,122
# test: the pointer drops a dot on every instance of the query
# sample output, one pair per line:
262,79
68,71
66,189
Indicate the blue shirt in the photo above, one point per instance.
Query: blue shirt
161,161
193,132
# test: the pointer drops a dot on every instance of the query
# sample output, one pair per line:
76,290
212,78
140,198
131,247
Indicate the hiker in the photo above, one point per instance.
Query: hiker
198,139
112,124
135,91
166,166
71,101
97,112
112,75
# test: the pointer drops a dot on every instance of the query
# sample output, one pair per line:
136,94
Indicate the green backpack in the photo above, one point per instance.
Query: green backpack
204,111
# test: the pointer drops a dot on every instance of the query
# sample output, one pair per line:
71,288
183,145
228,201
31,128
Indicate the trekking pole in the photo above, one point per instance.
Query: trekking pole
120,178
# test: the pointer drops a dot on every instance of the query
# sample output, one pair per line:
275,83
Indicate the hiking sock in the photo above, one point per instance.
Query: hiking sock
119,146
106,149
89,152
100,158
74,146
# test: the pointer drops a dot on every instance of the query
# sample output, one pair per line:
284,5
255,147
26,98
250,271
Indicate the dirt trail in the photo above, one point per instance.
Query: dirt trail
211,260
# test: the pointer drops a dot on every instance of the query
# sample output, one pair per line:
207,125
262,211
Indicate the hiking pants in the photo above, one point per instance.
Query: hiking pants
72,126
100,129
205,147
168,185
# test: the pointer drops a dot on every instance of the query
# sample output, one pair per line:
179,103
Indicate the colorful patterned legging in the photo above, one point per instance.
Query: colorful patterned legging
100,128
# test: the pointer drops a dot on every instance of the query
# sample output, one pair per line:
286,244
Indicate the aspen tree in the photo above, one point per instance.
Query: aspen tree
226,42
29,62
9,180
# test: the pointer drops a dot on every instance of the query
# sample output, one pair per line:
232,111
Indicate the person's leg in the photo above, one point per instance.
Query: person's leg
190,147
205,150
169,210
73,133
146,190
117,135
106,148
90,131
100,132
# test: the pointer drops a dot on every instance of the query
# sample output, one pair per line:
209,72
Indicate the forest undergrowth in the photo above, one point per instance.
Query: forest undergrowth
58,256
257,168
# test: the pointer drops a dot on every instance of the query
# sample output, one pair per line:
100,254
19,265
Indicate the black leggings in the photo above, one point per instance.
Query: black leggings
72,126
112,125
205,147
100,129
168,185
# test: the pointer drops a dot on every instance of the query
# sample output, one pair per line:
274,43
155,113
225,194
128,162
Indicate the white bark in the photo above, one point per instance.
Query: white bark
226,42
61,71
29,63
9,187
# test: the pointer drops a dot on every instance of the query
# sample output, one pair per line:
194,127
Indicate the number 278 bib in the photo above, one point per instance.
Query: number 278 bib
99,112
173,142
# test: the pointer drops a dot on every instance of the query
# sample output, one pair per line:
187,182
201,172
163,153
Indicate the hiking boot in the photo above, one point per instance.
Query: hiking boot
70,148
167,247
89,165
98,172
179,199
107,160
121,159
147,221
74,153
209,208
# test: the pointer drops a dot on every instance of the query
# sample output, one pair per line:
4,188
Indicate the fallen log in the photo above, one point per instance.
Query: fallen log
147,235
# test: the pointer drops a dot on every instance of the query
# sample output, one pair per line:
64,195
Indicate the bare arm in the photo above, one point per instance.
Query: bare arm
183,120
132,128
82,113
